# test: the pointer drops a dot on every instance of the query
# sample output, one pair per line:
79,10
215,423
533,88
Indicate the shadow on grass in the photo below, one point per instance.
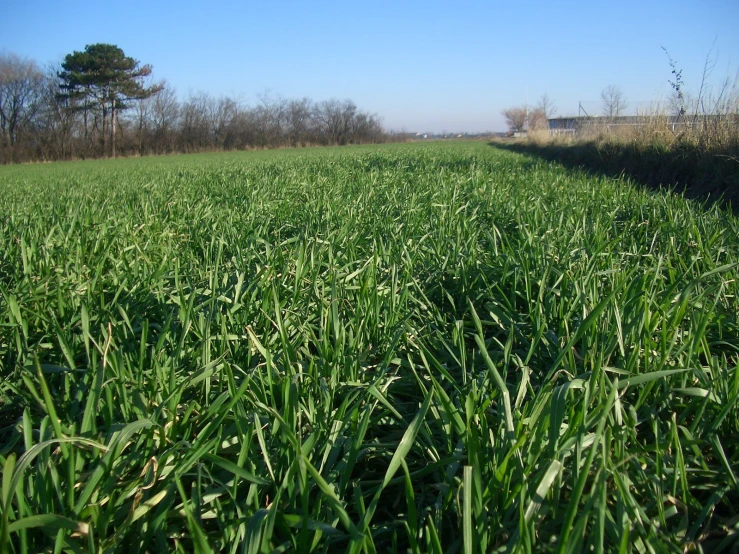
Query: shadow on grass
687,169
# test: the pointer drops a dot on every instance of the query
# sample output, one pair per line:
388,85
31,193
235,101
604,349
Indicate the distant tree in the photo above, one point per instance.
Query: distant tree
546,106
21,86
366,128
335,118
194,129
221,113
164,111
272,116
56,124
299,121
103,74
537,119
515,118
614,101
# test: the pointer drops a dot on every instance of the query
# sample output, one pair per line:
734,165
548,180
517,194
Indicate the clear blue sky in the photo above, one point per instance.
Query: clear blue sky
422,65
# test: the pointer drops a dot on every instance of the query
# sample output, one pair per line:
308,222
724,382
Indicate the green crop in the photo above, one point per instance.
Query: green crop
422,347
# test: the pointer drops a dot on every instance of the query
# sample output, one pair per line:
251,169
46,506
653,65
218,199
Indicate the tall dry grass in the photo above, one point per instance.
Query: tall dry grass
690,143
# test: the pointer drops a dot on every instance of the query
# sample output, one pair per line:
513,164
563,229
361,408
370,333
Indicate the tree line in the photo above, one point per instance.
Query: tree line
101,103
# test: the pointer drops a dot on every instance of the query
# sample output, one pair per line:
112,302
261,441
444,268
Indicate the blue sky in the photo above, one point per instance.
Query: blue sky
422,65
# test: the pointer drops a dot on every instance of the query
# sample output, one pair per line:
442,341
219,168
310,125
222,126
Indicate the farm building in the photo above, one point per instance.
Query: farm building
585,125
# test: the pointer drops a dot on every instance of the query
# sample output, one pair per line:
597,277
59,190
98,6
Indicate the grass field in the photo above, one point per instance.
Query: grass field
424,348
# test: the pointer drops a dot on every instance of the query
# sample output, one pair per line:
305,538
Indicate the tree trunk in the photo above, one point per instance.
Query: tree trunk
104,132
112,127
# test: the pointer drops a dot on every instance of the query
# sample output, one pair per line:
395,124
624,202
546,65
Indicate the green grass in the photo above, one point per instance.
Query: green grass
424,348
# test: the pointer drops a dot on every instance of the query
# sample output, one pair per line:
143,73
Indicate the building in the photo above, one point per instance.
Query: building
585,125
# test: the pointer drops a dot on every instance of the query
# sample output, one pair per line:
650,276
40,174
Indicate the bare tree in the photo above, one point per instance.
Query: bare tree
273,115
21,84
537,119
366,128
55,123
614,101
221,114
299,122
194,131
164,113
334,118
515,118
142,120
546,106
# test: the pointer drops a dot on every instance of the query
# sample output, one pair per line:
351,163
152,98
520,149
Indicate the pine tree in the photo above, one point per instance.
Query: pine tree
103,75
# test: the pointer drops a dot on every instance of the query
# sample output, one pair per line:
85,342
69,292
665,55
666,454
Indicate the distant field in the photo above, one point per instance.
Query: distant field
424,347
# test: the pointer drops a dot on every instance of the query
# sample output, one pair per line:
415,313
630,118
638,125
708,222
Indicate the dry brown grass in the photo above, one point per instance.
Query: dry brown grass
695,154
